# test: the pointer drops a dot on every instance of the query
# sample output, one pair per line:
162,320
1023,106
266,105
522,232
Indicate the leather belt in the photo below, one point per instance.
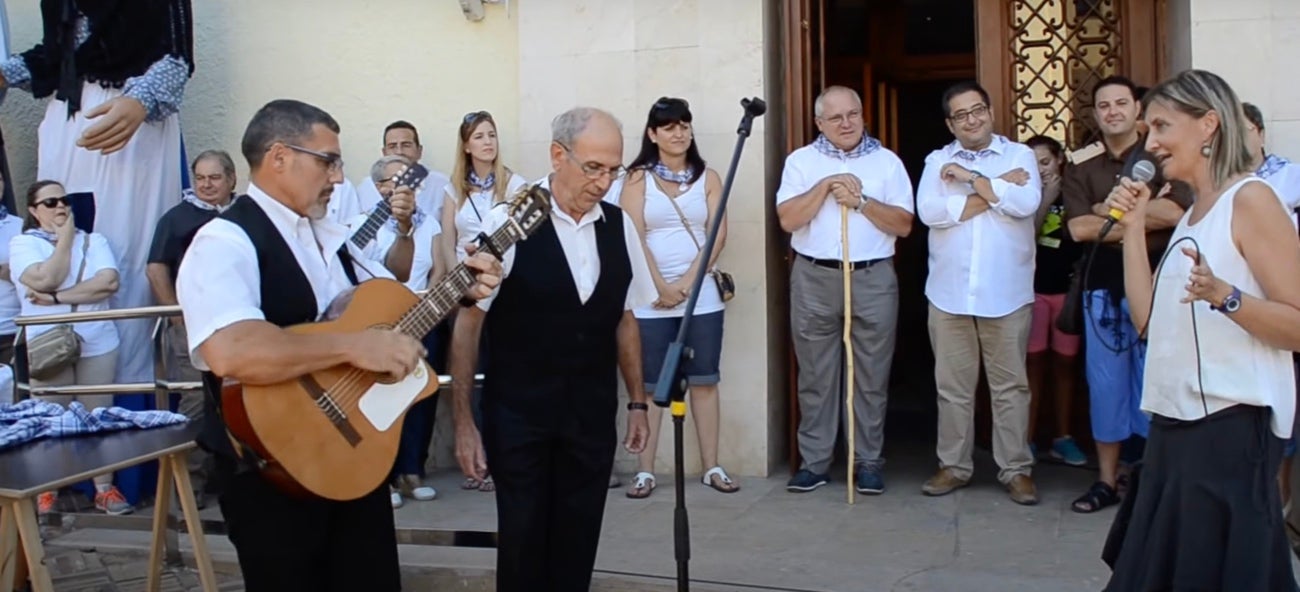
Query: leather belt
837,264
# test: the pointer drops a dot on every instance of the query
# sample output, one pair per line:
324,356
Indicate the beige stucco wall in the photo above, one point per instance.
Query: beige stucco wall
1253,44
622,55
367,63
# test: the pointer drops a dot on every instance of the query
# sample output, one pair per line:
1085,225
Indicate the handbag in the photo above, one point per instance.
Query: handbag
1070,319
51,352
726,283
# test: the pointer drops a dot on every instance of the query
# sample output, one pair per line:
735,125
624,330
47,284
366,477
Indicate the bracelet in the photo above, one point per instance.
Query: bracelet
635,406
55,296
467,301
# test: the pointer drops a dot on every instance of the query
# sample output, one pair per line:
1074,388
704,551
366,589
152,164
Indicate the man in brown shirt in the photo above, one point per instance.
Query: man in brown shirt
1114,357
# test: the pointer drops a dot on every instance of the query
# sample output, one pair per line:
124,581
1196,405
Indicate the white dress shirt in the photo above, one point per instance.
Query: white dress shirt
883,179
218,283
421,257
344,205
578,240
983,266
25,250
10,305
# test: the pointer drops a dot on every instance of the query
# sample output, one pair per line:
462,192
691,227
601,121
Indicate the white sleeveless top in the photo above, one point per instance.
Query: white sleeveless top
469,218
1236,368
672,247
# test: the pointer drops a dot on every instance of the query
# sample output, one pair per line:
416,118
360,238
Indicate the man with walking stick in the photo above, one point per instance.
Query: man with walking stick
979,195
843,173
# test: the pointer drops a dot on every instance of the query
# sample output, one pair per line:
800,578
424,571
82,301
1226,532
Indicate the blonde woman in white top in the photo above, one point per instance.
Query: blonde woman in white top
672,197
46,259
479,181
1221,315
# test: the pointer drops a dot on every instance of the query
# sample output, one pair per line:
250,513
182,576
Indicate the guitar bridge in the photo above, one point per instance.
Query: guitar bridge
331,409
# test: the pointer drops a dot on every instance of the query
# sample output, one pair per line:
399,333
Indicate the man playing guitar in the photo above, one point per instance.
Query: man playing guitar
270,262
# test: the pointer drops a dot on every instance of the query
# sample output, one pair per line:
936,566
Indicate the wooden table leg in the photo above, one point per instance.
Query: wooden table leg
193,522
161,508
9,550
30,535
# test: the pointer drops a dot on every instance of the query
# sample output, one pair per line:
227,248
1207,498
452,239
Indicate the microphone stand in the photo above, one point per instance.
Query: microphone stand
670,388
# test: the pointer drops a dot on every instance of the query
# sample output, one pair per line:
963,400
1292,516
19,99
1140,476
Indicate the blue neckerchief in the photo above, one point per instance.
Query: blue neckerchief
43,233
865,147
1271,165
417,218
679,177
482,184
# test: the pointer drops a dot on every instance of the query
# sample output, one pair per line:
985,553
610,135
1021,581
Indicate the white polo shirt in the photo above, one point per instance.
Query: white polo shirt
883,179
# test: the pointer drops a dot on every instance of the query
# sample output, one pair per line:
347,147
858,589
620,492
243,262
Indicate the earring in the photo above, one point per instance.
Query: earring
1205,150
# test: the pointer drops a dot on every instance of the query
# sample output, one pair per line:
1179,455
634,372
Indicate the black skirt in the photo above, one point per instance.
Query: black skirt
1204,512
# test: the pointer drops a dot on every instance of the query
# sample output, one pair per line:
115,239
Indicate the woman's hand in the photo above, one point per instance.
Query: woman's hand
40,298
669,296
1201,283
1130,199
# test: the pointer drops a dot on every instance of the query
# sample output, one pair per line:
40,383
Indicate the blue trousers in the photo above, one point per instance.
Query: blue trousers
417,428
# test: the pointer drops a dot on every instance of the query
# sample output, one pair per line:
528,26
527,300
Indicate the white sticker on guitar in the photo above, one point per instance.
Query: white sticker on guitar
384,403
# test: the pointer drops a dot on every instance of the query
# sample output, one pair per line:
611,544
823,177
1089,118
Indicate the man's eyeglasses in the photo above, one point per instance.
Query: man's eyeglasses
978,111
52,202
836,120
333,162
592,170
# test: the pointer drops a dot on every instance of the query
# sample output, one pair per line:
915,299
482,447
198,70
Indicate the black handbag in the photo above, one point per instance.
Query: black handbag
1070,319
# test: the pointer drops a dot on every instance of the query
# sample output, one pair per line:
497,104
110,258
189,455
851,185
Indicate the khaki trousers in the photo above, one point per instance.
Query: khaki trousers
960,342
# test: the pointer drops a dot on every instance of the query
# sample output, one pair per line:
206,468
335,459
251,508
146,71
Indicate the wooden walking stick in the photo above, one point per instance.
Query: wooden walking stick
847,267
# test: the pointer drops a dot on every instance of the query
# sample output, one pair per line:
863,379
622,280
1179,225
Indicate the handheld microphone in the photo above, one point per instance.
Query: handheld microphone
1143,171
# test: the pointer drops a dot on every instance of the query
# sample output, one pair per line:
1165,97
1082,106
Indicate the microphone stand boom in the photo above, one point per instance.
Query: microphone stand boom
670,388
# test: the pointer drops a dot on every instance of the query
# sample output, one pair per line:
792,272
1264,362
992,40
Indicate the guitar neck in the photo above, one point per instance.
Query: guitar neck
438,303
370,228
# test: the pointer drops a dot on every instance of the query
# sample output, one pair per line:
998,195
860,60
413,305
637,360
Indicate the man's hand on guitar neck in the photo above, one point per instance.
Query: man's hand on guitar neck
487,273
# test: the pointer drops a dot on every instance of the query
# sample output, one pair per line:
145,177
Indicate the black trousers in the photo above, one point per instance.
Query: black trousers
552,479
287,544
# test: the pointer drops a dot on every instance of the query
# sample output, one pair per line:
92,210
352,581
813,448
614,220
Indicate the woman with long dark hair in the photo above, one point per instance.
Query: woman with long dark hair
672,197
1221,315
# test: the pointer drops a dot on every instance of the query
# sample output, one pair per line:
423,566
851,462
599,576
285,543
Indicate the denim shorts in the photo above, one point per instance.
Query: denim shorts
704,337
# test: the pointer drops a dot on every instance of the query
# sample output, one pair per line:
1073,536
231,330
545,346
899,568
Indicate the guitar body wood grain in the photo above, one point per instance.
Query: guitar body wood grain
339,456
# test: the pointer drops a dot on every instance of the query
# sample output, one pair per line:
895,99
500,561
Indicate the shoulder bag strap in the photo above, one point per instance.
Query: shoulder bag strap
85,255
687,223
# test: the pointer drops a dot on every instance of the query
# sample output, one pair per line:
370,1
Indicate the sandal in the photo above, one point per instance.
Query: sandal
487,486
723,483
642,485
1099,496
470,483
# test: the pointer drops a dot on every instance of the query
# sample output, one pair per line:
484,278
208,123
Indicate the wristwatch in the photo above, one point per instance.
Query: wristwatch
1230,304
862,203
634,406
975,176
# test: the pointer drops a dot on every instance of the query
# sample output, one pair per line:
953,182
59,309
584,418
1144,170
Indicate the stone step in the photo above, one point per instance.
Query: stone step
424,567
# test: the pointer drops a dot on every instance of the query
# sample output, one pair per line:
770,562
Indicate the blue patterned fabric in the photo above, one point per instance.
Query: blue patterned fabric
865,147
34,419
1271,165
160,89
417,218
482,184
969,156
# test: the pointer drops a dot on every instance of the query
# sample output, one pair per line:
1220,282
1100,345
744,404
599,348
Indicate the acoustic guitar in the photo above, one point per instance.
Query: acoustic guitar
334,433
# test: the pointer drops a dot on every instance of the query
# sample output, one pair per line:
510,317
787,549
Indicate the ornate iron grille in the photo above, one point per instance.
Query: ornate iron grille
1060,49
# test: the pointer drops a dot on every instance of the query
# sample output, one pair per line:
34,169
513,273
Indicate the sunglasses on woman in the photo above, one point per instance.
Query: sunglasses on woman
52,202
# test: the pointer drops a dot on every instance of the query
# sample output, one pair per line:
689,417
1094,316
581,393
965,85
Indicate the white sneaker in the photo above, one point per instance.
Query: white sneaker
395,497
424,493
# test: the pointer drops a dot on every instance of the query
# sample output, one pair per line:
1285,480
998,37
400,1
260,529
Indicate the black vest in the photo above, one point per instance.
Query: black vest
547,351
286,294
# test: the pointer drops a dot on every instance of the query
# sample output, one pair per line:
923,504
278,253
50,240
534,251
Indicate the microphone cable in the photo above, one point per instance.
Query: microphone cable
1155,287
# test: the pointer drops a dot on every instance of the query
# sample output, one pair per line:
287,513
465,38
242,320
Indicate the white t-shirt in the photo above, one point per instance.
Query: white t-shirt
10,226
469,218
672,247
25,250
